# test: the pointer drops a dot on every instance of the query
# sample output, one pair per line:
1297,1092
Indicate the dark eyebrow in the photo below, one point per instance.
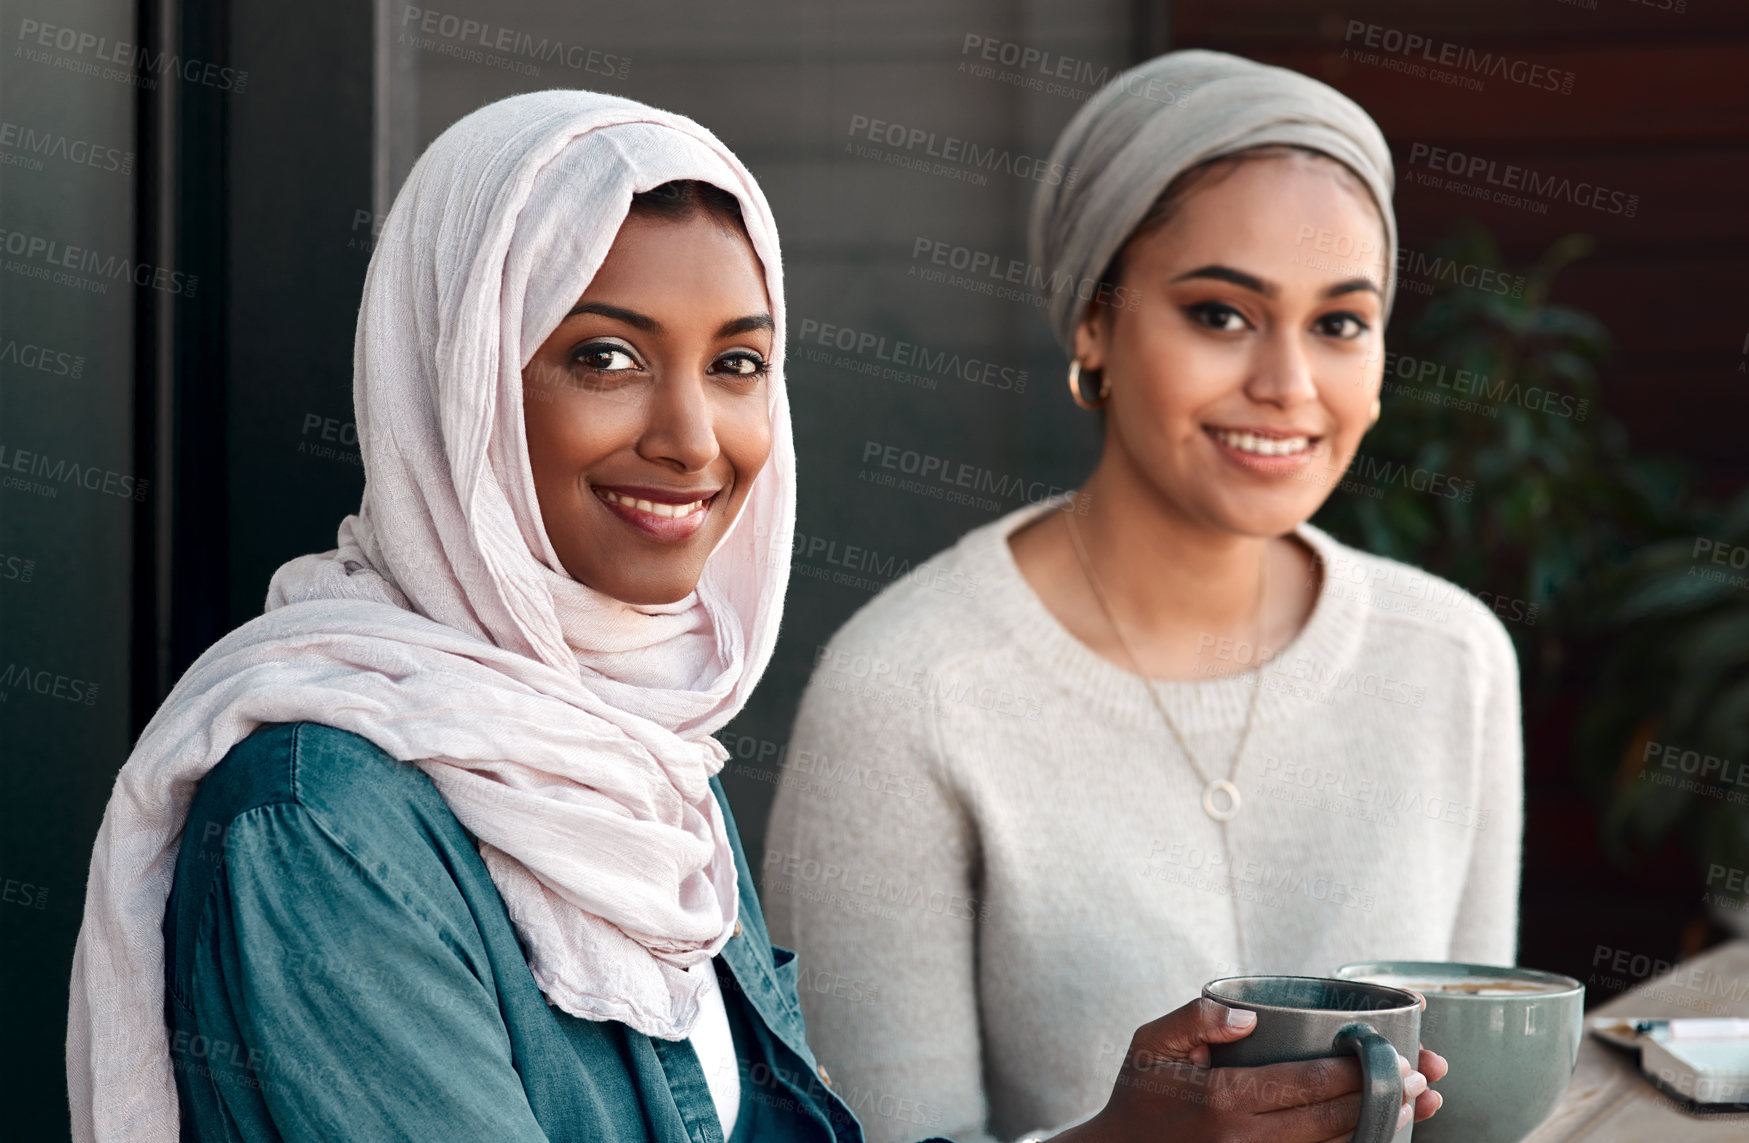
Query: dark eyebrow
650,325
745,325
1353,285
631,317
1228,274
1267,289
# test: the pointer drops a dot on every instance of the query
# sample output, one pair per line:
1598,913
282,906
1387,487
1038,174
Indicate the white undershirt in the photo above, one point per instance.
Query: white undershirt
715,1047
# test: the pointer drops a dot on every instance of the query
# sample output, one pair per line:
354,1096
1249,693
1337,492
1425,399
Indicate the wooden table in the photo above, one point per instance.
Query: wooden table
1609,1101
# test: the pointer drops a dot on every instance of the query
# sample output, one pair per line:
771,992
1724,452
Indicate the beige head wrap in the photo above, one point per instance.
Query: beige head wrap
1159,119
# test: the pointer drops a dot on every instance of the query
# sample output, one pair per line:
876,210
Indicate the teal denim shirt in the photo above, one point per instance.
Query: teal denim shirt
339,965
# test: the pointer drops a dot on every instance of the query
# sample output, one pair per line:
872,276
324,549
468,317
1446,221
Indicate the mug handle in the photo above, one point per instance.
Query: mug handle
1381,1093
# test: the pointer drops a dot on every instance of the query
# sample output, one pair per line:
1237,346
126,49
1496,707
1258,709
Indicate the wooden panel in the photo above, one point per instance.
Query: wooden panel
1688,195
1478,20
1671,314
1694,415
1690,93
1683,308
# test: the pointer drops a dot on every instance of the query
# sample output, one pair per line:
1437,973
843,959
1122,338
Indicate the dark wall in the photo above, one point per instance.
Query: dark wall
67,153
300,168
187,397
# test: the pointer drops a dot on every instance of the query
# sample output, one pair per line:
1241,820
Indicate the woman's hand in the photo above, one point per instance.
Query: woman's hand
1166,1089
1433,1066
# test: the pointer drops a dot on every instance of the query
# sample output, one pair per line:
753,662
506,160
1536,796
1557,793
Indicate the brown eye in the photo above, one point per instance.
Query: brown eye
604,357
743,364
1343,326
1216,316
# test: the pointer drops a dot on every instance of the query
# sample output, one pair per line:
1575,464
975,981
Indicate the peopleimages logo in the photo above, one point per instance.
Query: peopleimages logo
1413,45
938,471
1027,58
1362,254
465,38
137,62
28,145
1032,283
855,565
910,355
953,149
1511,177
13,459
40,358
1038,69
1479,387
45,682
16,568
1380,471
55,255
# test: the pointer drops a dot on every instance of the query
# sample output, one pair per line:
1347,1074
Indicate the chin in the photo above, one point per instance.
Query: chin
1261,520
639,584
647,594
642,578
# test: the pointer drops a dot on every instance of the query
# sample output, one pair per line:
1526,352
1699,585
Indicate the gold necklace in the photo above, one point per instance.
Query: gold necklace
1211,786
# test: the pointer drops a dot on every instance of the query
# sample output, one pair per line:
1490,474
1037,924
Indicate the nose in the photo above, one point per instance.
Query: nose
680,429
1281,374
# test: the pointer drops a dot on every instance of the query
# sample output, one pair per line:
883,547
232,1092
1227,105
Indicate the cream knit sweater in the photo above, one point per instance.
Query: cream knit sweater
994,862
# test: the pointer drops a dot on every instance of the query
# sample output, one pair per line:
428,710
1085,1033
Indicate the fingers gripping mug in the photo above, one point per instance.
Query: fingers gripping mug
1310,1018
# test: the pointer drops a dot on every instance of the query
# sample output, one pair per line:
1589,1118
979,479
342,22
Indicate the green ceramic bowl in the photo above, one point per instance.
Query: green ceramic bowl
1511,1053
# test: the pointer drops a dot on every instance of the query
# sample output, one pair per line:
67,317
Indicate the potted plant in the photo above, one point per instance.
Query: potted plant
1600,563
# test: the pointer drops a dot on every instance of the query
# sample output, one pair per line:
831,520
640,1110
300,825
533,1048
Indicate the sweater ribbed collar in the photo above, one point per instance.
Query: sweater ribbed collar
1297,681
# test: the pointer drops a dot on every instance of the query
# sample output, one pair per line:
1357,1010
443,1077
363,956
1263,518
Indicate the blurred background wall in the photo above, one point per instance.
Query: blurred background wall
195,353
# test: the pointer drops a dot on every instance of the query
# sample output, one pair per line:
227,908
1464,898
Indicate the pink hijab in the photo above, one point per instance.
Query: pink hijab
568,731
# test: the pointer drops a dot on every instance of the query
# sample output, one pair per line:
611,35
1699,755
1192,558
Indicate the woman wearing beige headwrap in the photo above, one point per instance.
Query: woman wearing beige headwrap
1178,732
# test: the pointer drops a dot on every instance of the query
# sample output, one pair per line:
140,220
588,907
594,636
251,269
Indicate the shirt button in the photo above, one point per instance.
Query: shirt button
737,928
824,1078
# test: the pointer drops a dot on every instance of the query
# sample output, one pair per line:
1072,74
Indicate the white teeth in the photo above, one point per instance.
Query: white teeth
652,507
1263,446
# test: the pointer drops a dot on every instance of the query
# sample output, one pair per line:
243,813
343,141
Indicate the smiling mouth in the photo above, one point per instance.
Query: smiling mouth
666,516
656,507
1259,444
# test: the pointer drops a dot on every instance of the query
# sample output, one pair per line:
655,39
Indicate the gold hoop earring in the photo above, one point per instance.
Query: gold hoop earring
1075,386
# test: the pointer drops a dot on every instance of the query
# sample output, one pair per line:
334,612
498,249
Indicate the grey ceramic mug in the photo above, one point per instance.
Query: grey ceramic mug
1310,1018
1511,1056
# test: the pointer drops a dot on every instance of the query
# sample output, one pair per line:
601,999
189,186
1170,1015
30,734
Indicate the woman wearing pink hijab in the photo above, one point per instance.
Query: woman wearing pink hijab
435,848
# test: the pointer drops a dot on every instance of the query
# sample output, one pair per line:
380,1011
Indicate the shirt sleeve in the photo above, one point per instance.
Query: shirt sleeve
870,874
354,1009
1486,929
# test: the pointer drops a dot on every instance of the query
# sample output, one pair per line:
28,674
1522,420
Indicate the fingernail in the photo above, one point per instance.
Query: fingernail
1240,1017
1403,1115
1414,1084
1438,1100
1440,1058
1402,1065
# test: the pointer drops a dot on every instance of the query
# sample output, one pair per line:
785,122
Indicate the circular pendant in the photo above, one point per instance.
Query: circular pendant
1213,808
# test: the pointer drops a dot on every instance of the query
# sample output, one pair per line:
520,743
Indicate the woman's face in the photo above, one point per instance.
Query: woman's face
646,409
1245,375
